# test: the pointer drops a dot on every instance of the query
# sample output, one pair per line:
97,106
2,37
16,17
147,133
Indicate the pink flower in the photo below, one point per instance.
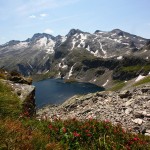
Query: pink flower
106,121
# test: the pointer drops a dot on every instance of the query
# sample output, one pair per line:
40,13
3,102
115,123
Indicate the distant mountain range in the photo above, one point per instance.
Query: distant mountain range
72,55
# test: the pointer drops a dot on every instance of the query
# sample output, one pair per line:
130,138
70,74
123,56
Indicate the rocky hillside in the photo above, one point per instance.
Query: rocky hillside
21,90
130,108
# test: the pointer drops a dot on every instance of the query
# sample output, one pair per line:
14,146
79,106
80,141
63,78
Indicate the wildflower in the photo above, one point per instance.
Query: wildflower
123,131
76,134
89,135
115,131
26,113
64,130
50,126
106,121
87,131
128,147
136,139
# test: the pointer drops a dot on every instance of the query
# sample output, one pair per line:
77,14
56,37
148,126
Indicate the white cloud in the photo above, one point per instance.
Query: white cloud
49,31
32,16
43,15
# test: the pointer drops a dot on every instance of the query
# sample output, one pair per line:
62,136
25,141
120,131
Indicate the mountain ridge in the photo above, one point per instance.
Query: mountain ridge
65,56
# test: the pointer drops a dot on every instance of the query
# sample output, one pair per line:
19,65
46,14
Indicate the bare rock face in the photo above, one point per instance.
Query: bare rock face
129,108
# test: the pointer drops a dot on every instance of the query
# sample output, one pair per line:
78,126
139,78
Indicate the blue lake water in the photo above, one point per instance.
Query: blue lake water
56,91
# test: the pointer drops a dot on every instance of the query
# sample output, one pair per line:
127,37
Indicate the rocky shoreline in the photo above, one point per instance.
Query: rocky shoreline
130,108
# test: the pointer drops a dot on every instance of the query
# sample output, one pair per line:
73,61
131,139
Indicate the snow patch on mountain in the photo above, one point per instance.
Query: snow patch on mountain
63,39
59,65
94,80
64,67
96,53
70,72
119,58
126,44
88,48
114,34
73,44
82,44
83,37
50,46
116,40
108,38
140,77
105,83
21,45
101,47
42,42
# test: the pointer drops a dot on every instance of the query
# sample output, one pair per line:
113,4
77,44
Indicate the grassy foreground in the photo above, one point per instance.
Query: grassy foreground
20,132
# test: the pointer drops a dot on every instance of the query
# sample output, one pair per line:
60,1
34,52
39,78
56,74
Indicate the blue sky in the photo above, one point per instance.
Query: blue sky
20,19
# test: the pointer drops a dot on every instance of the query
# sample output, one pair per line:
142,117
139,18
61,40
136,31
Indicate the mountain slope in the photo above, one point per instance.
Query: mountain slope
78,55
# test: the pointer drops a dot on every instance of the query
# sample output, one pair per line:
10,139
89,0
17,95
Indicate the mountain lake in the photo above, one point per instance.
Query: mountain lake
56,91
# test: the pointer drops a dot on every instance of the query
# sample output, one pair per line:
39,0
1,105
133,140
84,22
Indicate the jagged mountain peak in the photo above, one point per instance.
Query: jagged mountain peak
73,32
13,42
118,32
38,36
98,31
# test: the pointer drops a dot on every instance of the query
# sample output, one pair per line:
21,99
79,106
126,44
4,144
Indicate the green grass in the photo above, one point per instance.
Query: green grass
143,81
118,86
136,68
10,105
50,74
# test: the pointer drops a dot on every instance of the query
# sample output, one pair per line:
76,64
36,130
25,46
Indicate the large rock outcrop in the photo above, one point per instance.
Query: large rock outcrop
21,87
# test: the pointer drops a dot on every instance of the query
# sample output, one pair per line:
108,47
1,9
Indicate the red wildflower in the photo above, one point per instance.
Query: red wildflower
26,113
64,130
136,139
76,134
115,131
130,143
123,131
128,147
87,131
50,126
89,135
